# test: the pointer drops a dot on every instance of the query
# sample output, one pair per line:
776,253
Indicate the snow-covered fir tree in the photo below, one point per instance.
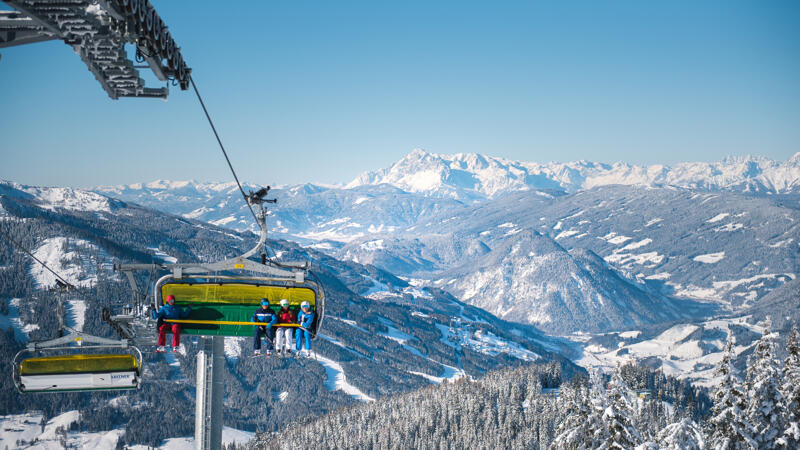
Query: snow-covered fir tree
791,393
573,432
682,435
618,430
728,428
595,429
651,417
765,405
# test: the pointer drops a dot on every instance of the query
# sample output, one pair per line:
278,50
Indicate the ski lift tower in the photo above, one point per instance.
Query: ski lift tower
97,30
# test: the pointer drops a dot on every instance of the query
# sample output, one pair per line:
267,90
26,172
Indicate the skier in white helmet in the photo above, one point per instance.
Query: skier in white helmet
285,316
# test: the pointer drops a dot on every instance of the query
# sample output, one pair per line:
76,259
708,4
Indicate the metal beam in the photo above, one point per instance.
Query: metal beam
98,31
77,338
19,29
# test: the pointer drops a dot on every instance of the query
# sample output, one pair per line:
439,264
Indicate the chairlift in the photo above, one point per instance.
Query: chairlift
76,361
223,295
72,366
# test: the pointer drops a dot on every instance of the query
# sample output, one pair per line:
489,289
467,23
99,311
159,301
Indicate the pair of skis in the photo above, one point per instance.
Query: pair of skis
293,354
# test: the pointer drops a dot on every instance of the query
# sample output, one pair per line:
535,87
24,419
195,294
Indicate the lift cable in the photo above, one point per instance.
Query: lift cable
222,147
59,277
225,153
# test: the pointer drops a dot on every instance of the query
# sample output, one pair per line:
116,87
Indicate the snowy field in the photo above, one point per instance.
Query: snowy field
337,381
25,431
70,259
13,321
75,314
682,355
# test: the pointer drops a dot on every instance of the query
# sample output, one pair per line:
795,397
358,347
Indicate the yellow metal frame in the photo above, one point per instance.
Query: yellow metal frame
91,363
229,322
236,294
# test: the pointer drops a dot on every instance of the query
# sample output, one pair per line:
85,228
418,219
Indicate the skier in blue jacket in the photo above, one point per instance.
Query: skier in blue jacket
264,315
170,311
305,319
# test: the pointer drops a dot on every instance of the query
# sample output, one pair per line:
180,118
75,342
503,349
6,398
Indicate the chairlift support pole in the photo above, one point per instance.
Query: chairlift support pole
208,398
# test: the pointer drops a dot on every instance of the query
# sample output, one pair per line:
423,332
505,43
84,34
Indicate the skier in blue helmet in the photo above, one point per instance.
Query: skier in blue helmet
263,315
305,319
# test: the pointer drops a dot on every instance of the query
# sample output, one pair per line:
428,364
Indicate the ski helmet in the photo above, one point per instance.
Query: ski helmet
264,302
170,297
284,302
305,305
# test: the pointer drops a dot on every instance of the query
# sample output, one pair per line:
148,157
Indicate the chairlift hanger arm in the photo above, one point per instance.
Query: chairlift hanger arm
298,272
237,264
76,336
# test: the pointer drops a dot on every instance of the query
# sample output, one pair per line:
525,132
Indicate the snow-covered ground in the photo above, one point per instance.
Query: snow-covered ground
449,373
53,198
709,258
750,288
681,355
13,321
281,396
233,347
399,337
352,323
337,381
486,342
68,258
162,256
393,333
75,314
229,435
173,361
21,430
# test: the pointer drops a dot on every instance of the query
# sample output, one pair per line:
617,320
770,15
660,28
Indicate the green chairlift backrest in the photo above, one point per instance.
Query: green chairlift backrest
230,302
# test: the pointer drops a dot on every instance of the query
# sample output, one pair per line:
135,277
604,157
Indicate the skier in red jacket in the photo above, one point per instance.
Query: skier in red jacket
285,316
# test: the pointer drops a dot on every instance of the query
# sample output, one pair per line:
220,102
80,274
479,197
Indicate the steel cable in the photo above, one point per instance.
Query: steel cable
59,277
222,147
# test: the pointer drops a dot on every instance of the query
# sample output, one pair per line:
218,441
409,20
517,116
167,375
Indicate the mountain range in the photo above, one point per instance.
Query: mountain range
470,176
568,247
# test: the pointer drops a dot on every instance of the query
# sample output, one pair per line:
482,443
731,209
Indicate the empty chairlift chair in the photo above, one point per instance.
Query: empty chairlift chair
76,366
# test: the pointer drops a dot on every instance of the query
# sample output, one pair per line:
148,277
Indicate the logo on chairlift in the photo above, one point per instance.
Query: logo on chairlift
238,266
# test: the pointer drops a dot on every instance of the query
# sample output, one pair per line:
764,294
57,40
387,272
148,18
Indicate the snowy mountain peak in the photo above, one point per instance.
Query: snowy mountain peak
166,184
464,176
53,198
474,176
170,185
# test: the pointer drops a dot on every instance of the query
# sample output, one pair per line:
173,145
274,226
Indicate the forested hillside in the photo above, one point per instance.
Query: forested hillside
631,407
513,408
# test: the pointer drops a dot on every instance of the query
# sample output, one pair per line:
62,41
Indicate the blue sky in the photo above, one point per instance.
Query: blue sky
321,91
